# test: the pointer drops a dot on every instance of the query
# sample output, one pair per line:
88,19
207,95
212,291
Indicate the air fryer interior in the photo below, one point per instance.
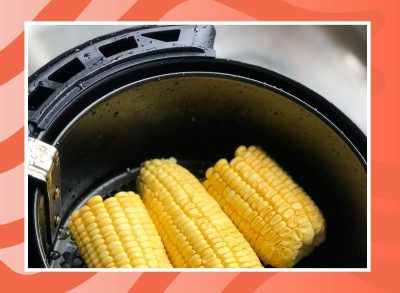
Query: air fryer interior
198,119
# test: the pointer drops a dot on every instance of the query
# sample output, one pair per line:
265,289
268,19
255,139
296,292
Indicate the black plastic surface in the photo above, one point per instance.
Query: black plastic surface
66,75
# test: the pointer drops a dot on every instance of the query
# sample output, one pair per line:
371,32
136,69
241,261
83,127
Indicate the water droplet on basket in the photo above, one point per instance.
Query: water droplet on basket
73,246
77,262
54,255
63,233
67,255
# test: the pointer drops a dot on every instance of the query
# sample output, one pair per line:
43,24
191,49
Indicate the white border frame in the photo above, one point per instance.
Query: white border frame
139,270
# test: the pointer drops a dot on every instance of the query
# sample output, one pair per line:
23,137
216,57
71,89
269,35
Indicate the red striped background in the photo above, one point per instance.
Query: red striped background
385,144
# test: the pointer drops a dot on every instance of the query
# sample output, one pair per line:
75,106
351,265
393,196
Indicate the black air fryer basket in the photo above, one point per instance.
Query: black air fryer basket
100,109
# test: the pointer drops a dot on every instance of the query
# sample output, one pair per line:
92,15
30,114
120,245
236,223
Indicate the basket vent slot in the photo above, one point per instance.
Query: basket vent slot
67,71
165,36
38,97
118,47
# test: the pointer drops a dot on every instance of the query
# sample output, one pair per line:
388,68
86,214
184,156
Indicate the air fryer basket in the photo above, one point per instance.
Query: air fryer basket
197,109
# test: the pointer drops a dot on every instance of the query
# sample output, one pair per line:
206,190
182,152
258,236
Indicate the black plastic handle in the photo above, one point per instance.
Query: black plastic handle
136,45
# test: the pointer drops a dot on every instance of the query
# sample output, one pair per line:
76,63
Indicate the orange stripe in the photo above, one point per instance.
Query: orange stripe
153,282
383,233
12,151
12,56
247,282
12,233
382,274
150,10
12,59
62,10
276,10
42,282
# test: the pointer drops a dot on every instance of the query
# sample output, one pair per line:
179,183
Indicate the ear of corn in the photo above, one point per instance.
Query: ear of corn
276,216
117,232
195,230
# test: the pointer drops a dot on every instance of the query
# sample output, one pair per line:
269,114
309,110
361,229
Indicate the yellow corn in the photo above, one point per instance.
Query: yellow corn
117,232
195,230
276,216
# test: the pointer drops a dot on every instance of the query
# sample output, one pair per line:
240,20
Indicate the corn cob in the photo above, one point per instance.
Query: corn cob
276,216
117,232
195,230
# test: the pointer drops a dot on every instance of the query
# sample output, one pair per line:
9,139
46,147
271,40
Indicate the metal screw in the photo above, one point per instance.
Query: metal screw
57,193
57,220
